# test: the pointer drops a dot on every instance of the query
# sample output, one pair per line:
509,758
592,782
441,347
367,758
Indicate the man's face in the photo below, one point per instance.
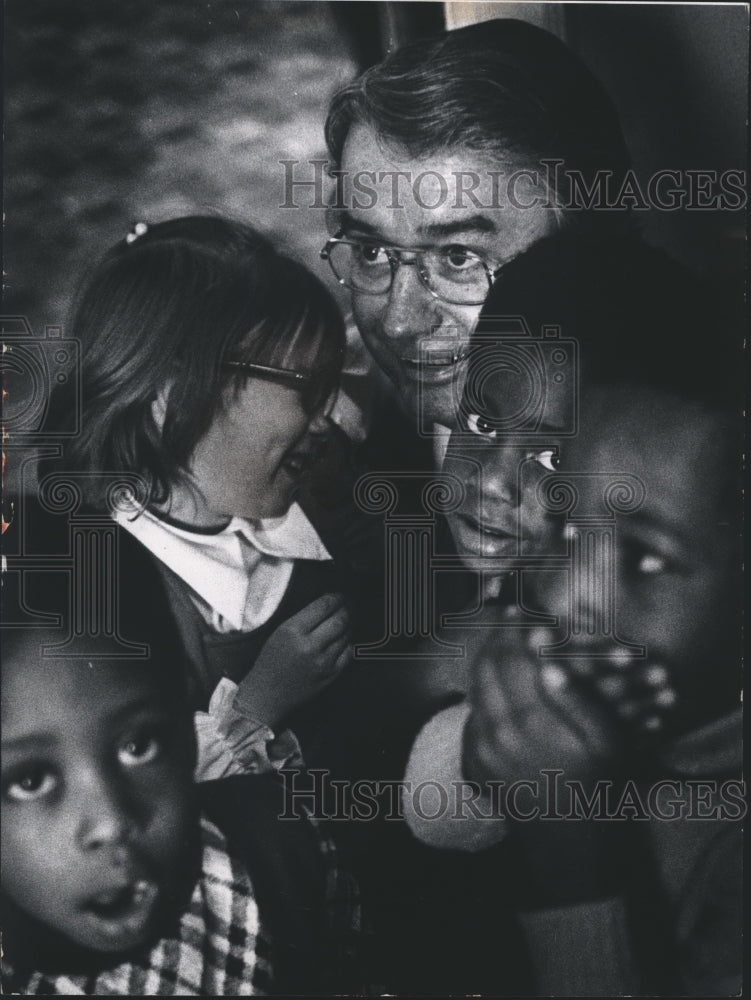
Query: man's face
427,204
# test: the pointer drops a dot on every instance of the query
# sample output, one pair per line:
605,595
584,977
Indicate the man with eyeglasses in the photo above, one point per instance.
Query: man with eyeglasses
454,155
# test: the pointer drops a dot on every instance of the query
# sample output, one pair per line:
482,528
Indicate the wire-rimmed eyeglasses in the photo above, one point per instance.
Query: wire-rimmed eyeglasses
453,274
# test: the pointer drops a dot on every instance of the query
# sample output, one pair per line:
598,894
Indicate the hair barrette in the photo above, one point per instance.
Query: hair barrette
139,229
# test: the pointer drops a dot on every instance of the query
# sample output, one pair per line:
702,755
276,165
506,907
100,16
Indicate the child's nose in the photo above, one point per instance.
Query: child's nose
105,818
500,479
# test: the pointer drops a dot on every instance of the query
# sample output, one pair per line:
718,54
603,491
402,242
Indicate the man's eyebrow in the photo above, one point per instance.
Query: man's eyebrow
434,230
347,222
471,223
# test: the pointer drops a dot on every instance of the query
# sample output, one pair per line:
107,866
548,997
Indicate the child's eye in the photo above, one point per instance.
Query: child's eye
34,783
139,750
547,458
651,564
481,427
643,561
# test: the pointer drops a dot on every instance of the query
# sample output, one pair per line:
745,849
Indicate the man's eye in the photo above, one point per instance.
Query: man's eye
477,425
459,258
34,783
547,458
137,750
370,254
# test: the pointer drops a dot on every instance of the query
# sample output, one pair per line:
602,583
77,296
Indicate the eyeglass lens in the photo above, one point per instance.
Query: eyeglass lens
451,274
317,394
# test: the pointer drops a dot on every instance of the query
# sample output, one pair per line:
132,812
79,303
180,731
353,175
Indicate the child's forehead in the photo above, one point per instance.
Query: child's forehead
624,415
52,686
674,445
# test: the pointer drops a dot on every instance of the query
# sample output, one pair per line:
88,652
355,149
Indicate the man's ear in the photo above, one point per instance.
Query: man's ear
159,405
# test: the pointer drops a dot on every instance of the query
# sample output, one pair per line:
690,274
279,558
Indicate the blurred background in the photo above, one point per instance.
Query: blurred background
125,110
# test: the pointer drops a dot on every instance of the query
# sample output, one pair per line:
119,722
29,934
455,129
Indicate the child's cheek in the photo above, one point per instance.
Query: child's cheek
39,869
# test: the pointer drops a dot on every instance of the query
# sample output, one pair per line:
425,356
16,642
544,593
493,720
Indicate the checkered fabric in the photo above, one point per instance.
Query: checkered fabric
218,950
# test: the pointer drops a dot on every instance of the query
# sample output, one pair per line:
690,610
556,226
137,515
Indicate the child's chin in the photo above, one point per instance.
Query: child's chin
121,926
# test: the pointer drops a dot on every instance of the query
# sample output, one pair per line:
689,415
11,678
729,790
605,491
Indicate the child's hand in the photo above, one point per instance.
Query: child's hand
301,658
528,715
638,692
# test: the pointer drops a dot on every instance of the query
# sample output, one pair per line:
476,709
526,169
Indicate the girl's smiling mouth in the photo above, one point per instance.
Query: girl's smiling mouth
300,460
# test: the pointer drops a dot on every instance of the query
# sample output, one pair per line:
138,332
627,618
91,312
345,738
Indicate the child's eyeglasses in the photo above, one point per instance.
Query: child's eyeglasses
251,366
316,393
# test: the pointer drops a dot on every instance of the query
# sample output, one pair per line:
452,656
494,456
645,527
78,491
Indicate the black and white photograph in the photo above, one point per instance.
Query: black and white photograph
373,380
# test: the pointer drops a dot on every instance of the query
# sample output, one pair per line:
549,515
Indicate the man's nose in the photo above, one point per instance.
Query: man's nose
411,312
106,815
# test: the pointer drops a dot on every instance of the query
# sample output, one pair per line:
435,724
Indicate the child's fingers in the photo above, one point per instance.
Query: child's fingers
334,650
327,667
575,710
519,678
487,693
647,713
645,691
343,659
505,697
618,662
330,629
313,614
491,736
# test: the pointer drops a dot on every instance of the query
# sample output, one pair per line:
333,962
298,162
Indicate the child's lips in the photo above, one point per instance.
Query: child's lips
123,911
482,539
298,461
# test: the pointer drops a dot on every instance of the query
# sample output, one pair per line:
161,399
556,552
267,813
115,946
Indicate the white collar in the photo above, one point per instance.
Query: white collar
219,567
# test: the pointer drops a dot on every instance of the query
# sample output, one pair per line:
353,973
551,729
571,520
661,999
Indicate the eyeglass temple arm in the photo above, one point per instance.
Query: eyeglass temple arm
250,366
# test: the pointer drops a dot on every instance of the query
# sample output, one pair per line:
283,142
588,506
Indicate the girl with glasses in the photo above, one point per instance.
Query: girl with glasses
209,364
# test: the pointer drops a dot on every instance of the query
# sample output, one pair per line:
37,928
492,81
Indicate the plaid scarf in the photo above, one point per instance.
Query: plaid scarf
217,951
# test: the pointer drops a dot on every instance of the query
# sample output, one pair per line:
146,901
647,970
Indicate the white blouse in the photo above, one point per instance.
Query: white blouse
237,578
